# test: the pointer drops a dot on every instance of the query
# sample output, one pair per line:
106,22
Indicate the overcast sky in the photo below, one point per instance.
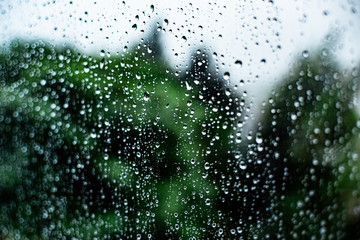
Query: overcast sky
265,36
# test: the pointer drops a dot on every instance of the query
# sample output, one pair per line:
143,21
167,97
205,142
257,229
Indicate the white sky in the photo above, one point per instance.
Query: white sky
235,30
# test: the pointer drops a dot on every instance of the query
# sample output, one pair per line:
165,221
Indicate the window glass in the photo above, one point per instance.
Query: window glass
179,120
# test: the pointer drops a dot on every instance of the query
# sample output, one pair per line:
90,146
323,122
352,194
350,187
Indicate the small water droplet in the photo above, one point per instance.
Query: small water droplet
102,53
207,165
243,165
227,92
188,87
258,140
249,136
238,63
43,82
146,96
166,22
226,76
305,54
102,63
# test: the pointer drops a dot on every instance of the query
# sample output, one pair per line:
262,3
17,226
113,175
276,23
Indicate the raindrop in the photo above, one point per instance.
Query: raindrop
258,139
42,82
305,54
188,87
102,53
102,63
238,63
166,22
207,165
226,76
146,96
242,165
227,92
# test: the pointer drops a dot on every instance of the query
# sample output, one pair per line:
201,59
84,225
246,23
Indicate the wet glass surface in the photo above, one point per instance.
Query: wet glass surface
179,120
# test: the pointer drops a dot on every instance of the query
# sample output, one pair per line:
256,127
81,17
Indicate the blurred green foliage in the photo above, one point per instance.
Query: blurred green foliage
120,146
108,146
310,133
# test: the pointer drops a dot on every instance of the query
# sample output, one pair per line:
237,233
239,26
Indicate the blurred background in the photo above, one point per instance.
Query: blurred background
179,120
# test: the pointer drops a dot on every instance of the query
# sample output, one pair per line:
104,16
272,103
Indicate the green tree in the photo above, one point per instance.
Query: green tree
108,146
309,147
